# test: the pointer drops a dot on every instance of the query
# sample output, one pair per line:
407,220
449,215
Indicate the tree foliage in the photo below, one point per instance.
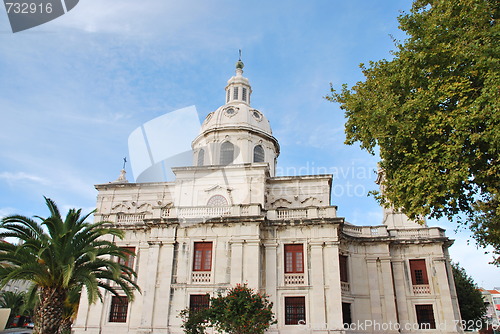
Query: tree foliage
433,112
59,256
239,311
470,299
16,301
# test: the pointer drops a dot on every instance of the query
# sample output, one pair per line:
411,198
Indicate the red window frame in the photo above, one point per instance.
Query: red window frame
294,258
418,271
425,316
295,310
198,302
202,260
129,260
118,309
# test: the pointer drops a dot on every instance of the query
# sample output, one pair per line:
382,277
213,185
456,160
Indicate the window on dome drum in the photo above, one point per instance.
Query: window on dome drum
295,310
244,94
226,153
228,94
198,302
294,258
201,157
418,272
258,154
235,93
344,277
425,316
202,256
346,314
118,309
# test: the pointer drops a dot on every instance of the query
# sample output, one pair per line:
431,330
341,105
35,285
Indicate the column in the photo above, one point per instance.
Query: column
271,278
400,284
334,291
148,293
317,296
162,297
236,262
135,313
373,285
251,269
442,289
389,314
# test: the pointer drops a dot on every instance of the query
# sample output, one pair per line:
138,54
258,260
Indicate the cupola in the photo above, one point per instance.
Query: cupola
236,133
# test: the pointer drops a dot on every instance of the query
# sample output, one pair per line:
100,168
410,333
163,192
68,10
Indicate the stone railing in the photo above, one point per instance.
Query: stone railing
308,213
186,212
421,289
123,218
345,287
203,211
201,277
365,231
295,279
418,233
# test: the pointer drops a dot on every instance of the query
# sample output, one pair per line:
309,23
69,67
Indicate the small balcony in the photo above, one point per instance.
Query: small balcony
201,277
421,289
345,287
295,279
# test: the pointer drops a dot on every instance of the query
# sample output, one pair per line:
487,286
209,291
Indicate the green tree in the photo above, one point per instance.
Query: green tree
433,112
470,299
194,322
239,311
57,255
13,300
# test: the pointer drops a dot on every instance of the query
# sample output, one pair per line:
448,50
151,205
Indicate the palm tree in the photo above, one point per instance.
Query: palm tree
15,300
58,256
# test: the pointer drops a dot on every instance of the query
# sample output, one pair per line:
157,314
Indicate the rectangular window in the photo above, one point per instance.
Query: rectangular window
198,302
294,258
235,93
418,272
346,314
295,310
228,93
425,317
244,93
129,260
344,277
202,256
118,309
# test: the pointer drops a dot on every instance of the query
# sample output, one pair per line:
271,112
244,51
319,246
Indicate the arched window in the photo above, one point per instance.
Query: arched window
217,200
244,94
201,157
258,154
226,153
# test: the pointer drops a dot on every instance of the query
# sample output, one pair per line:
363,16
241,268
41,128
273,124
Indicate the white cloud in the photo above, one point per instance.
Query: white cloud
23,177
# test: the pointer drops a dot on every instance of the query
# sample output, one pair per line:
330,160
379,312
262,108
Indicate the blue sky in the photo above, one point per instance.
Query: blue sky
72,90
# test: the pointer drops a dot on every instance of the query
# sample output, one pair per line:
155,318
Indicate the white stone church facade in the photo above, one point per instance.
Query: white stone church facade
228,219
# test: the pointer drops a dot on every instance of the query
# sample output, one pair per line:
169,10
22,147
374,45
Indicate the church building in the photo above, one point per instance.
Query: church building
228,219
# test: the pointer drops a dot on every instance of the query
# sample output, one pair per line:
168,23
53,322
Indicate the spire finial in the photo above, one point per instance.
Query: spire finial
239,63
124,162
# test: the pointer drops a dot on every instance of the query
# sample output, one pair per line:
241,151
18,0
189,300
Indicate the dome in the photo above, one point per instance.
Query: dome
240,116
236,132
